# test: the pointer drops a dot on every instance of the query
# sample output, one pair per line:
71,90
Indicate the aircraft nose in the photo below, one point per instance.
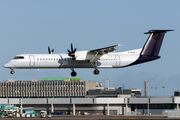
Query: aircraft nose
7,65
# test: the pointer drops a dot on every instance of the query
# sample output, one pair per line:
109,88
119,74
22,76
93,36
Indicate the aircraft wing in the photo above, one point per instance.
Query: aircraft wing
104,50
94,55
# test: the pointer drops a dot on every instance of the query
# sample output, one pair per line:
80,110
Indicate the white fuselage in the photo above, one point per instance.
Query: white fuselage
37,61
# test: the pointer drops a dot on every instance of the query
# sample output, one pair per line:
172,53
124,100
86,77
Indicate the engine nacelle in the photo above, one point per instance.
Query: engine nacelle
81,55
85,55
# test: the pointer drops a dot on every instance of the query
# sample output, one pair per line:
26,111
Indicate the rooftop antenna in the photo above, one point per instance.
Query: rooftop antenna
106,84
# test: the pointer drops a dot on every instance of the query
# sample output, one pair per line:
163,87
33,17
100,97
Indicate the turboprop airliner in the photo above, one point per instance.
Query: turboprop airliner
98,58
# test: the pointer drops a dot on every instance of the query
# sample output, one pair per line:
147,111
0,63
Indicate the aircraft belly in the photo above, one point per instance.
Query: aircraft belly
86,64
77,64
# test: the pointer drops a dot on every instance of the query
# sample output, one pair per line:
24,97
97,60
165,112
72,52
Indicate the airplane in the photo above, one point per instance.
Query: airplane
98,58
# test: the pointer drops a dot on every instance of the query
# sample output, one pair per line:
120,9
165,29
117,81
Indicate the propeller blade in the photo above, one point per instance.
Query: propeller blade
71,47
74,50
49,50
68,50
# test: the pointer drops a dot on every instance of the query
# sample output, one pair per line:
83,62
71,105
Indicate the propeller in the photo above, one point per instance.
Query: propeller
72,52
49,50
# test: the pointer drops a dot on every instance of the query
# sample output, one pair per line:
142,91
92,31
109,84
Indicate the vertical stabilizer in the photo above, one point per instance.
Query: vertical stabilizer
153,43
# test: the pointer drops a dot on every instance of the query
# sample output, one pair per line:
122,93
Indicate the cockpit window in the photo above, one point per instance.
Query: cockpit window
18,57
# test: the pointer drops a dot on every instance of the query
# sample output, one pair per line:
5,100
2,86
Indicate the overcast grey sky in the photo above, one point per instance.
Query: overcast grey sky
31,26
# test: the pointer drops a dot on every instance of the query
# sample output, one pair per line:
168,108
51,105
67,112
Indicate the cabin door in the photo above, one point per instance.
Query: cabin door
31,60
117,60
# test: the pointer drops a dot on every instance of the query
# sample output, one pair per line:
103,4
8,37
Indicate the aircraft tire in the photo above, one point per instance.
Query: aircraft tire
73,74
96,72
12,72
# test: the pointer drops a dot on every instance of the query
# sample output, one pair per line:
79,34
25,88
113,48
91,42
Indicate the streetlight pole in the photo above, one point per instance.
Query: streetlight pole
152,91
163,90
146,91
148,105
156,91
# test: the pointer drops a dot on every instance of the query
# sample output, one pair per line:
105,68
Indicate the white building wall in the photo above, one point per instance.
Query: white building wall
161,100
82,100
3,100
109,100
34,101
138,100
14,101
176,99
58,100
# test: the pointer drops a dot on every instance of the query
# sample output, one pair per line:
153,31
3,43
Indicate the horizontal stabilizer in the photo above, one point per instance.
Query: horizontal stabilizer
157,31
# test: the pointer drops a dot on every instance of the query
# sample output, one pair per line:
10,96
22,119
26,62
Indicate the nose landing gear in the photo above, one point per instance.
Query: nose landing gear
12,71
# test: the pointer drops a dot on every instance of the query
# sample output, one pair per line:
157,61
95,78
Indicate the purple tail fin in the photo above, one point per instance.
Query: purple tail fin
153,43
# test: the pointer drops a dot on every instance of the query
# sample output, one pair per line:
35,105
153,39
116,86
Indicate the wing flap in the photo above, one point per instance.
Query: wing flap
104,50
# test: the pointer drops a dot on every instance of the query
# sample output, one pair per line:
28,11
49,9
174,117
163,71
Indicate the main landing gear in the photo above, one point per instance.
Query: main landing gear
12,71
96,71
72,54
73,73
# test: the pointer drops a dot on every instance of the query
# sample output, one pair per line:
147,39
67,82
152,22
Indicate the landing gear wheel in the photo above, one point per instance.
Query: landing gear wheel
73,74
12,72
96,72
